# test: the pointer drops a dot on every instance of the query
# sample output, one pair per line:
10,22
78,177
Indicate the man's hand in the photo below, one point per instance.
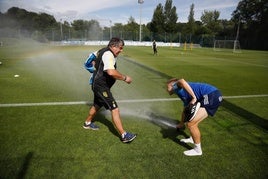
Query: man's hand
128,79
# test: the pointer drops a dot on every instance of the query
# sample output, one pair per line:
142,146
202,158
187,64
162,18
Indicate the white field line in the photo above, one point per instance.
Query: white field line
119,101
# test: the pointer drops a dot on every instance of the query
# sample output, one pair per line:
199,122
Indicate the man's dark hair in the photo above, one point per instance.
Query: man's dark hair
115,41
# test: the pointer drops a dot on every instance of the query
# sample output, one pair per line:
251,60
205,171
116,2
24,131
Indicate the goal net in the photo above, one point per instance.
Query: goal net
227,45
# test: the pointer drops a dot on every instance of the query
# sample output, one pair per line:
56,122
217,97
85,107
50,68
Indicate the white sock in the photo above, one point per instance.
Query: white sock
87,123
123,135
195,151
198,148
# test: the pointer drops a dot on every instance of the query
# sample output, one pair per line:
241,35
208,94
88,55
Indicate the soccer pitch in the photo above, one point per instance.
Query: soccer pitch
42,112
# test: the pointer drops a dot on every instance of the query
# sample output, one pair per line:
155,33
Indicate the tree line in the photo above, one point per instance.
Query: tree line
248,24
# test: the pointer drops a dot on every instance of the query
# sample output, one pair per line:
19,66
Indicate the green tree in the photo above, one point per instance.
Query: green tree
170,17
251,12
44,21
251,16
22,18
227,29
156,25
131,29
29,24
191,25
94,30
118,30
210,20
87,30
78,27
164,21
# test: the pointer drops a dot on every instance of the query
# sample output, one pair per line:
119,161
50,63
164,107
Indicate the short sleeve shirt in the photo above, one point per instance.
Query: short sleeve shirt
108,60
199,89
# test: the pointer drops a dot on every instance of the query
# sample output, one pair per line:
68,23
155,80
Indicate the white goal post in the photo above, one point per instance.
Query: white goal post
227,45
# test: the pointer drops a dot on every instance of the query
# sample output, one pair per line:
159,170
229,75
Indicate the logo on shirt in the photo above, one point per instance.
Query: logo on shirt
105,94
206,101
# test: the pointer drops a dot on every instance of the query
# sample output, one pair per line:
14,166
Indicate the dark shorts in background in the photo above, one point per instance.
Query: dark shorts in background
211,102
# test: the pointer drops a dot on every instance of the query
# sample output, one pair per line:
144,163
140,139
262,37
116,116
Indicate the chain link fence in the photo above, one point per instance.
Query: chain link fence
53,35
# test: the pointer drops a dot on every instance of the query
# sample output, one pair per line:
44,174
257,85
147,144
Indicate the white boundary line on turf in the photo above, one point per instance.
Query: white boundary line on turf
119,101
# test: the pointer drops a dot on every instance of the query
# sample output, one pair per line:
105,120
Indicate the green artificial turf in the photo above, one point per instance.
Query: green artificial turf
48,141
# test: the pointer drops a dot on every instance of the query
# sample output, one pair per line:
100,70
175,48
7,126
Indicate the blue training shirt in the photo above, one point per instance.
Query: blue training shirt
199,89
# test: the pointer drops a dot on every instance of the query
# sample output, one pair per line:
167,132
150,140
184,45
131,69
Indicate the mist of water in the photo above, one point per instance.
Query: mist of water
62,71
147,114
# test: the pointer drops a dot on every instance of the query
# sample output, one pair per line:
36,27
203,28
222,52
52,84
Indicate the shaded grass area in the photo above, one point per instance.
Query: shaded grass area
247,115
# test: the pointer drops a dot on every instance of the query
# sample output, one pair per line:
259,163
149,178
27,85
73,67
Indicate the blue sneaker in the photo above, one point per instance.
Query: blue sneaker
128,137
91,126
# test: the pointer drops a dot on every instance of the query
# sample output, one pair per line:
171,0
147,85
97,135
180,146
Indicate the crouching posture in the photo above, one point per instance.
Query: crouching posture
200,100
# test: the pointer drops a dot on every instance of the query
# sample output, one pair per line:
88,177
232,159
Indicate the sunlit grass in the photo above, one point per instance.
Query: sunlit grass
49,141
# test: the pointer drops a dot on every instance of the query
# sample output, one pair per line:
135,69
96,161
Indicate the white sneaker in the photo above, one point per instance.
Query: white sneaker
188,140
192,152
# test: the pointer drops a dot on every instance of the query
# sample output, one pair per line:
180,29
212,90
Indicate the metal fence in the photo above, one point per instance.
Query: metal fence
104,35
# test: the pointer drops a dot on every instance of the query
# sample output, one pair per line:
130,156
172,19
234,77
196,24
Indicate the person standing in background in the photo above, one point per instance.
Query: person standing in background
154,47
